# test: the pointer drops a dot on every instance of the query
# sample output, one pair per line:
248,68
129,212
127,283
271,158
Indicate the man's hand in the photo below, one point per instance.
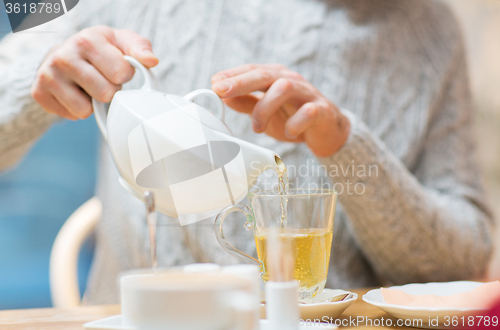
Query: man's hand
289,109
88,64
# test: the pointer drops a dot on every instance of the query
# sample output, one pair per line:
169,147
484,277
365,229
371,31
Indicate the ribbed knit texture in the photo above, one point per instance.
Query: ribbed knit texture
397,67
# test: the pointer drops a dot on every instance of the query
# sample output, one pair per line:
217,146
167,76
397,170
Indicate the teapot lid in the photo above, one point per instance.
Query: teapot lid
207,118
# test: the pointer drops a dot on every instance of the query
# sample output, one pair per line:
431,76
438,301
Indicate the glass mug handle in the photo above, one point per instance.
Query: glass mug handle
219,232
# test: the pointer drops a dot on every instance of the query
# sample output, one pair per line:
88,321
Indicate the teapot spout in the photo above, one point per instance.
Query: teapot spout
259,159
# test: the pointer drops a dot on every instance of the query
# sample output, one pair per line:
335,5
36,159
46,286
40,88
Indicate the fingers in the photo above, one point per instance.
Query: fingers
245,68
243,104
277,95
109,61
51,105
250,78
317,122
74,100
304,118
104,48
233,72
256,80
50,84
89,63
282,94
131,43
92,81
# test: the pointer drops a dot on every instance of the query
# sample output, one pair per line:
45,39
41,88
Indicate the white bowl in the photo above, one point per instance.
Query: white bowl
444,316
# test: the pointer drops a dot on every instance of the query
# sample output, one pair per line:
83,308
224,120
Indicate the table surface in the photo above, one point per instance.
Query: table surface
74,318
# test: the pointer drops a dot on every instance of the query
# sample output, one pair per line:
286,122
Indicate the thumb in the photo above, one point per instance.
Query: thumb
133,44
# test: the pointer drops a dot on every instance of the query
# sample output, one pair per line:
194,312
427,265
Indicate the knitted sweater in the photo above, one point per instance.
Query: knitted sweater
411,205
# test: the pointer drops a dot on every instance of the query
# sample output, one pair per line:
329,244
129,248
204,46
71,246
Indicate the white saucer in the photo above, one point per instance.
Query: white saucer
317,310
115,323
443,315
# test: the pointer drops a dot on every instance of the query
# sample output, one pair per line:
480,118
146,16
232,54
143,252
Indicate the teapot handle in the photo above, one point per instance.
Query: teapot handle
100,112
207,92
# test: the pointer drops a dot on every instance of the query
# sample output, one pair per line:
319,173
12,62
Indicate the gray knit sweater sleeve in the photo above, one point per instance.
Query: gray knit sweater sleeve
22,120
428,222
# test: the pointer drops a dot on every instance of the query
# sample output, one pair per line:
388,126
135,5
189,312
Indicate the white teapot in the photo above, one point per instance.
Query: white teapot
178,150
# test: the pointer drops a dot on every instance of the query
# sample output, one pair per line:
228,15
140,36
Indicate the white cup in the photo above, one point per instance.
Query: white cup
179,300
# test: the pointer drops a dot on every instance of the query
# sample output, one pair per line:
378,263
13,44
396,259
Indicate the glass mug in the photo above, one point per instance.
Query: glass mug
308,226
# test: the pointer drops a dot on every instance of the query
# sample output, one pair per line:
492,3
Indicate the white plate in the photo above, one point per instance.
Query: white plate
317,310
442,315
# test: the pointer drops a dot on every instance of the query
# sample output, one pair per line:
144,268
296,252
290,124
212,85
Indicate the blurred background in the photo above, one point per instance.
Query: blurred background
55,178
480,21
59,173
